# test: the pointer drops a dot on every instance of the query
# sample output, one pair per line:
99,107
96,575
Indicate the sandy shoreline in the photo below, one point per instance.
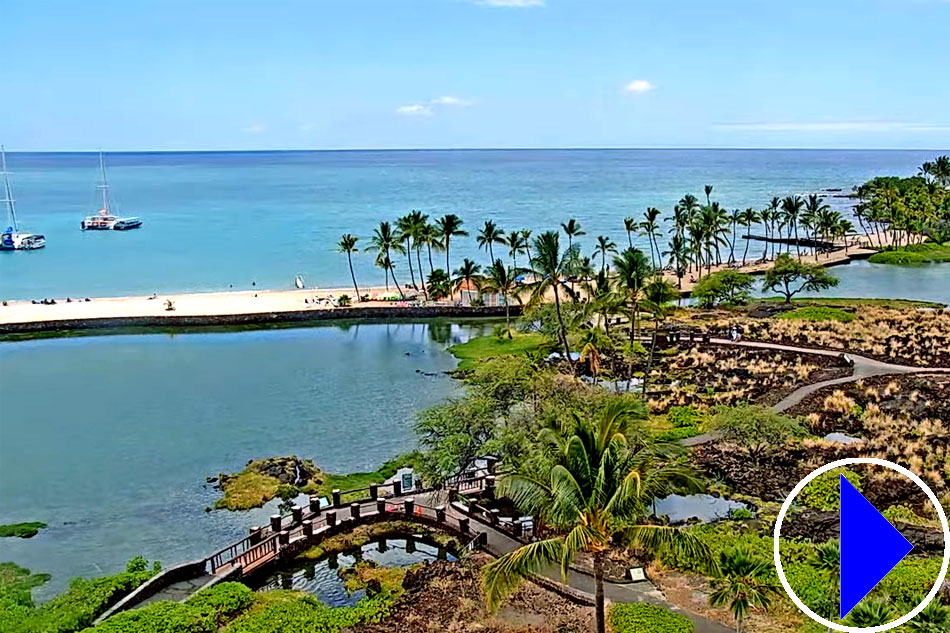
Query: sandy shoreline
268,305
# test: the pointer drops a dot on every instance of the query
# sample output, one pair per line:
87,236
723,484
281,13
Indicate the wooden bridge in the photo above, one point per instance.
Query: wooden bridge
287,535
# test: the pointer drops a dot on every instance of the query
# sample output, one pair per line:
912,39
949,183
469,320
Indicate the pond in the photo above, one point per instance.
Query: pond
109,439
321,577
706,508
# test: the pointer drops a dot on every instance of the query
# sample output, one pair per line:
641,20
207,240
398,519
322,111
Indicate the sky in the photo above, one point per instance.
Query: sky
330,74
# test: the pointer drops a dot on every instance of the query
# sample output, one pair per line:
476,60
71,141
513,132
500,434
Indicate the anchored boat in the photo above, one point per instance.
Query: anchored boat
105,220
12,238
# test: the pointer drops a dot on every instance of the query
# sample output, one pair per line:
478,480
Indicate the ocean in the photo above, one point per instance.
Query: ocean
221,220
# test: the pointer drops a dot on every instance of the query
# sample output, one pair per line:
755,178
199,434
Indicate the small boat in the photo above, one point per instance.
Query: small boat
12,238
105,220
298,281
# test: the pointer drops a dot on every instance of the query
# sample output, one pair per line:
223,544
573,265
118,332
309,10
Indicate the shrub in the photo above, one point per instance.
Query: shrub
685,416
726,286
641,617
741,514
823,492
205,612
343,301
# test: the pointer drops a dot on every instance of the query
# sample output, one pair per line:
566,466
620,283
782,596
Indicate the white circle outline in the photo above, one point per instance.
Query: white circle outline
858,629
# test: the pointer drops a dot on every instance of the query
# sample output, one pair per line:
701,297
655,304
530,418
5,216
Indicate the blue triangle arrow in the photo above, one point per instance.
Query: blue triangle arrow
870,547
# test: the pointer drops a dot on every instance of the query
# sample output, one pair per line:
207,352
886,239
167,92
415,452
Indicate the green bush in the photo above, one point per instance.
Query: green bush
641,617
817,313
288,612
678,434
824,493
206,612
685,416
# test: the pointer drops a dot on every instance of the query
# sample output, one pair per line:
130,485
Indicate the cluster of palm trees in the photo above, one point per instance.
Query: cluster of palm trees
901,211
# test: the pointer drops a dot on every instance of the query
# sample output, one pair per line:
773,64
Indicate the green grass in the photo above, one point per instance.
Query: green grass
846,302
21,530
914,254
817,313
490,346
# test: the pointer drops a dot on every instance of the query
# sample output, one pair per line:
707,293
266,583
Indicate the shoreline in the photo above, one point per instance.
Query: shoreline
264,307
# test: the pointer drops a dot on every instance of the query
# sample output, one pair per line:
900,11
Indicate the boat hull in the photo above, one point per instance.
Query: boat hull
21,242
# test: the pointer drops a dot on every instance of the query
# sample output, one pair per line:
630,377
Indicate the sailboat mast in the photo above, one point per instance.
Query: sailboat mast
8,193
104,186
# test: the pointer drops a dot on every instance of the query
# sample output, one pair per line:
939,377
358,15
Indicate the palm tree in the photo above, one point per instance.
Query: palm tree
499,279
418,228
593,341
386,242
744,583
517,243
679,257
603,475
449,226
347,244
649,226
633,269
843,229
549,266
572,229
814,207
629,225
792,207
440,286
429,235
489,235
774,206
657,297
465,275
734,216
604,245
404,227
748,219
708,189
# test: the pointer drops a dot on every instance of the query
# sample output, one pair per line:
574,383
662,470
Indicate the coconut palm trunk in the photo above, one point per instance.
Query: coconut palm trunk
349,259
599,591
425,291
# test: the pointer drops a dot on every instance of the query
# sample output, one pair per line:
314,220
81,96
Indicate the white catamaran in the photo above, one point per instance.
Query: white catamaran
105,220
12,239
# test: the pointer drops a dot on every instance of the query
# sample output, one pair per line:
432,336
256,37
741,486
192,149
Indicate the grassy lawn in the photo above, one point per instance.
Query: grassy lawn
491,346
844,302
817,313
914,254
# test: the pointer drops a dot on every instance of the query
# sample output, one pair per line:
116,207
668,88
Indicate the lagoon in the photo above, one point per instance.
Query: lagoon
109,439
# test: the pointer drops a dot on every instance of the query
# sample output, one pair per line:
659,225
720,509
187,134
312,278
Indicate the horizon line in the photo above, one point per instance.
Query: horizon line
473,149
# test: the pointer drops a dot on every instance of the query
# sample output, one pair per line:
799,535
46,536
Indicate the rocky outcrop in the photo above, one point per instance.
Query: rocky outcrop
289,471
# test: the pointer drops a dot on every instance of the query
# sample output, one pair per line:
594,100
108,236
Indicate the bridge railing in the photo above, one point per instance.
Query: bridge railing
263,541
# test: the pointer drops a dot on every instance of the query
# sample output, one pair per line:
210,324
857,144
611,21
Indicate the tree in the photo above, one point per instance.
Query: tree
735,218
440,286
499,279
601,475
679,257
593,342
385,241
633,271
488,235
449,226
347,244
404,229
517,243
748,219
786,273
549,266
814,208
419,229
657,297
465,275
754,428
604,245
452,435
430,236
792,208
572,229
745,582
649,226
723,286
630,225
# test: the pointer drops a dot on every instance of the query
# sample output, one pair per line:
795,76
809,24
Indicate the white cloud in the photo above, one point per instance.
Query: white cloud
639,86
833,126
416,109
520,4
450,101
256,128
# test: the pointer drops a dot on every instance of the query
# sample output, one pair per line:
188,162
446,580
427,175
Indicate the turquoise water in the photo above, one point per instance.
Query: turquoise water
216,220
109,439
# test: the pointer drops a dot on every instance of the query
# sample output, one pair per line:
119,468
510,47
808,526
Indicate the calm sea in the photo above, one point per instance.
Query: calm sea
220,220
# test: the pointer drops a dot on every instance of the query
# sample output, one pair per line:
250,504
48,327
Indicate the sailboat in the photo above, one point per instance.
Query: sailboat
105,220
12,239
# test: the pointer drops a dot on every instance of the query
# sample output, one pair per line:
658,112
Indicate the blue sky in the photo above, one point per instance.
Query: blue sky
236,74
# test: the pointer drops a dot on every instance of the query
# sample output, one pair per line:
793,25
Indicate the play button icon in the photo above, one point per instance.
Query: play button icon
870,547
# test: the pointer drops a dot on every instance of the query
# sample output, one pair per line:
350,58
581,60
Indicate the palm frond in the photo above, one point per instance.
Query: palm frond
503,575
